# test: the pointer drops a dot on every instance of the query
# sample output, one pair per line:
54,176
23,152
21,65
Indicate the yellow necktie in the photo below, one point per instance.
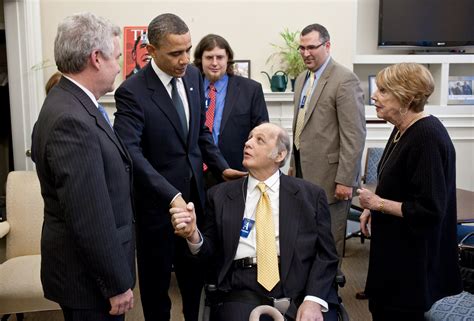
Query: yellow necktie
302,111
267,260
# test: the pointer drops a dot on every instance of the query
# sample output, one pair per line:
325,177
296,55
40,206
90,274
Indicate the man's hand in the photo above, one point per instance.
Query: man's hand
184,220
291,171
309,311
365,222
231,174
343,192
178,202
121,303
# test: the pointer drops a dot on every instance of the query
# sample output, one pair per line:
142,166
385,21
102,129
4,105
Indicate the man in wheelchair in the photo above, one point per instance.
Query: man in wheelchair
269,236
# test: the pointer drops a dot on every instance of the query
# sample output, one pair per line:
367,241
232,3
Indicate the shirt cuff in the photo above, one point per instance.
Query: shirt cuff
322,303
175,197
194,248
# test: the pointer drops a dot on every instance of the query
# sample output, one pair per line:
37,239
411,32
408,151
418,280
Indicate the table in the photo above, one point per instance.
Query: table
465,203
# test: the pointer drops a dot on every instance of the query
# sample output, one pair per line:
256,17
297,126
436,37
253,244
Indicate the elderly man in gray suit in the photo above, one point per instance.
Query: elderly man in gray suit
328,127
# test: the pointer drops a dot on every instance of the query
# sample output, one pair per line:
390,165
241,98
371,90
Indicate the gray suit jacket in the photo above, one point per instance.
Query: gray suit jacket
87,244
333,136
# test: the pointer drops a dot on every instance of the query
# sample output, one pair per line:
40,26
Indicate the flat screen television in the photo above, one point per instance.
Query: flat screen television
426,24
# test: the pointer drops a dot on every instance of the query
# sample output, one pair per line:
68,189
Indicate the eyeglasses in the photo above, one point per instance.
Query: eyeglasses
302,49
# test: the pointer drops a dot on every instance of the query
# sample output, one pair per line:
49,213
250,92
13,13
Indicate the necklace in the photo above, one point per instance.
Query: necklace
399,134
394,144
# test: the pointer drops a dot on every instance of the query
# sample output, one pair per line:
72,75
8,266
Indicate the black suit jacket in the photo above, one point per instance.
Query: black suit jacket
244,109
307,252
165,161
87,243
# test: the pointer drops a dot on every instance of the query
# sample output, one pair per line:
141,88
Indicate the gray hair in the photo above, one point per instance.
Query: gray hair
282,144
164,24
78,36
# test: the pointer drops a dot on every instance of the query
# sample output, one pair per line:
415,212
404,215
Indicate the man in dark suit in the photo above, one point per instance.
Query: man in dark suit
328,127
87,244
161,118
304,258
235,105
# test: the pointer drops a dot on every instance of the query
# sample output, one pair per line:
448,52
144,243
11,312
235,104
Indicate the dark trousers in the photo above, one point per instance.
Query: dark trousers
89,315
158,251
382,313
246,279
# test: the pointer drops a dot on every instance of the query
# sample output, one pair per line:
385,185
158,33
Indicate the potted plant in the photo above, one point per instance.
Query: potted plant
288,55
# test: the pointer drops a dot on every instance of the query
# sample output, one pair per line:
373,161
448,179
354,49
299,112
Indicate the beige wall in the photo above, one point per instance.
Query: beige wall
249,27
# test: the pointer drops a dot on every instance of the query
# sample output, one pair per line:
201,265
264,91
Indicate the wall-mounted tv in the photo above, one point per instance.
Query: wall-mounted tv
426,23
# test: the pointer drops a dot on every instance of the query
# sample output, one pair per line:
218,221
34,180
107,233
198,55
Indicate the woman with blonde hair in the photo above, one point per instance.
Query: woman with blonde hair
412,214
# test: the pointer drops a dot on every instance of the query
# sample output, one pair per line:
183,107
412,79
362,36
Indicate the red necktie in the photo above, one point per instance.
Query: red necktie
212,106
210,112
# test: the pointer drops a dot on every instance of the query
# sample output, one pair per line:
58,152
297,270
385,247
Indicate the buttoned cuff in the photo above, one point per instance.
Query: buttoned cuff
194,248
324,305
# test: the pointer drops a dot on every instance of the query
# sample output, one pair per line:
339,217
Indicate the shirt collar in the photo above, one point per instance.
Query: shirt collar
164,77
321,69
84,89
271,182
219,85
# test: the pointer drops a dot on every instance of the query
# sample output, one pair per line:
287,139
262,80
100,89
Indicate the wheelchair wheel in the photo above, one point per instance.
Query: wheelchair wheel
342,313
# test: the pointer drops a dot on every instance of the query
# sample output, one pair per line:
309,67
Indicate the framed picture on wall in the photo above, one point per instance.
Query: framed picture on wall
242,68
460,90
135,55
372,88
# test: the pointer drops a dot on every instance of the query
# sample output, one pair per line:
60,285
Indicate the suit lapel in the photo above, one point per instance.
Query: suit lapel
194,113
231,223
290,203
92,110
163,100
318,91
233,92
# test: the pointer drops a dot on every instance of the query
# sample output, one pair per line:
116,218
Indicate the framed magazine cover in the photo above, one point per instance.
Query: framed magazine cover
135,55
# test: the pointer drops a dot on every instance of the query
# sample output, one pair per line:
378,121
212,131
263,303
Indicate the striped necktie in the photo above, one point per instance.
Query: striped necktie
302,110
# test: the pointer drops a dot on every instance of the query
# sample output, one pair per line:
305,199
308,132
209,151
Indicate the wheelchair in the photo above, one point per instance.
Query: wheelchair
210,293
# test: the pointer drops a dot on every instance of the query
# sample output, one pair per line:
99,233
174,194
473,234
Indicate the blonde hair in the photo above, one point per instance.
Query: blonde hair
410,83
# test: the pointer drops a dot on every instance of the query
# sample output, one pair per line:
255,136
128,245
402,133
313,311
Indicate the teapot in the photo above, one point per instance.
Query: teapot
278,81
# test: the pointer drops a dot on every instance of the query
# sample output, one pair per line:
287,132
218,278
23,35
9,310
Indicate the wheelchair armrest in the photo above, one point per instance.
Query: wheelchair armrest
340,279
4,228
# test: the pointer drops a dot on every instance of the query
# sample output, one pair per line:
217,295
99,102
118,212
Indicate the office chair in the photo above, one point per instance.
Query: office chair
20,285
369,178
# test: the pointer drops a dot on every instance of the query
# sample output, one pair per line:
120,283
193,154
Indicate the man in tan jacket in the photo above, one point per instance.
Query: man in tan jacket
328,127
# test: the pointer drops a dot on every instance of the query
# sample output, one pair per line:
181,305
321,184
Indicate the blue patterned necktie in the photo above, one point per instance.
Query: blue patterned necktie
104,113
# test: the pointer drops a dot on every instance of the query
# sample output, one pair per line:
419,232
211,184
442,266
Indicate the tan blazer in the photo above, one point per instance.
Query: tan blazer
333,136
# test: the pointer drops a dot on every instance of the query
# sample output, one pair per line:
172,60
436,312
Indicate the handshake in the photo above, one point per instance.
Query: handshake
183,219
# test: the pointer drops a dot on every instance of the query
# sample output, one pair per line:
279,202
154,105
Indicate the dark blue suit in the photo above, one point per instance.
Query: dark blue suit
87,243
166,163
244,109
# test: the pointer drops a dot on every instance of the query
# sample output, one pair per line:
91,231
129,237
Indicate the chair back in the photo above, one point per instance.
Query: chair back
25,209
373,158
